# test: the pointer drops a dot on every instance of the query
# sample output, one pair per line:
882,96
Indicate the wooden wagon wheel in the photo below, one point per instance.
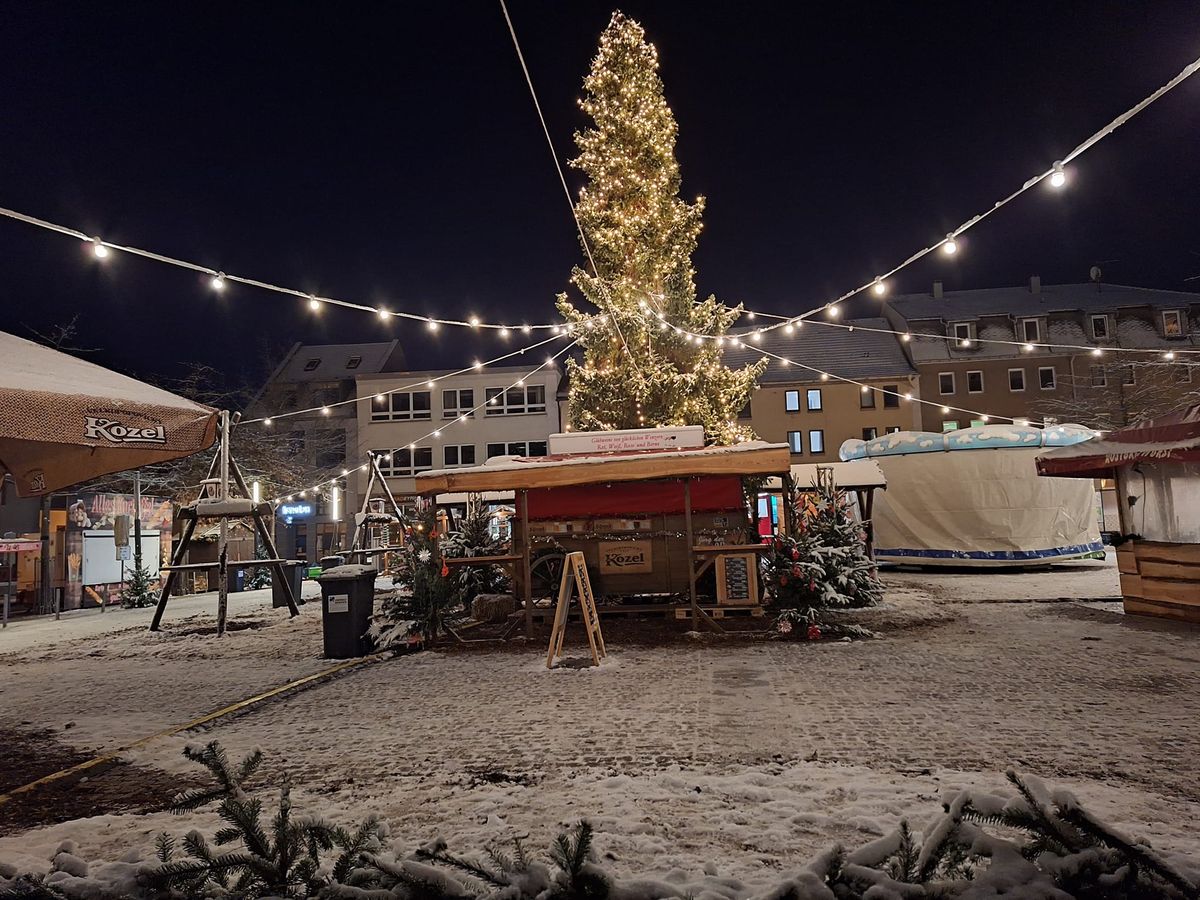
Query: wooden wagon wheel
545,574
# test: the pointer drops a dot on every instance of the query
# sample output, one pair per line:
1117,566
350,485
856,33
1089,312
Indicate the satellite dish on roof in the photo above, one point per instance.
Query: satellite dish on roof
1094,274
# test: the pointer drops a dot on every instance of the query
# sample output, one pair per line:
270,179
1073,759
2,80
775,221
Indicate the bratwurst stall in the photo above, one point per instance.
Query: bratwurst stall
662,521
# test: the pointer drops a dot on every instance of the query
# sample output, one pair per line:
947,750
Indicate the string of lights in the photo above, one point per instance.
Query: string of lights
219,281
433,433
1027,346
1056,176
327,408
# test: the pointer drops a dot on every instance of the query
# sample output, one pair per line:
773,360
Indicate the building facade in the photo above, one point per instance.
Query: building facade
1043,353
310,377
442,420
796,404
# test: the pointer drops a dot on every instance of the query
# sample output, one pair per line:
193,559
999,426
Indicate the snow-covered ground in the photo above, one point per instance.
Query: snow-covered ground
743,757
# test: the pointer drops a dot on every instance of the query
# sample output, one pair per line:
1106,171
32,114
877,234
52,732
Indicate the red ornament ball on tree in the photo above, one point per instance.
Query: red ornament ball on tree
814,633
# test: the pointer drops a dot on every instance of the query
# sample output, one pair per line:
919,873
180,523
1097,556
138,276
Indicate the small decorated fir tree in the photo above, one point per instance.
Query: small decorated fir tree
140,587
430,598
474,538
637,371
824,565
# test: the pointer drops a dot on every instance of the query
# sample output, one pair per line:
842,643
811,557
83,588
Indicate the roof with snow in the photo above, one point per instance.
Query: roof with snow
331,362
1021,301
981,437
841,352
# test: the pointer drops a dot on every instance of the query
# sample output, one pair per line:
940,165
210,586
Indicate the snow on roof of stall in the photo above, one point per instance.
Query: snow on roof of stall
855,473
982,437
519,472
1171,438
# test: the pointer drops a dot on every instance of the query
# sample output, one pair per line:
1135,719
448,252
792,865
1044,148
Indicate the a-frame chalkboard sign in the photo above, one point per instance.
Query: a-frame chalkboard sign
575,575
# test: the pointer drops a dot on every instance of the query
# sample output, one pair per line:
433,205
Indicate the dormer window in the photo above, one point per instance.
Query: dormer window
1100,328
1030,331
354,362
311,365
1172,323
963,333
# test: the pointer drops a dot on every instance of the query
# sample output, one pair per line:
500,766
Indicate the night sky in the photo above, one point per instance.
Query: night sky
391,154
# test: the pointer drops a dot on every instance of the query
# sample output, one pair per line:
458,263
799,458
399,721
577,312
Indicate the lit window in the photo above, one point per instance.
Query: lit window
866,399
1016,379
791,401
796,441
816,441
1172,323
949,425
814,399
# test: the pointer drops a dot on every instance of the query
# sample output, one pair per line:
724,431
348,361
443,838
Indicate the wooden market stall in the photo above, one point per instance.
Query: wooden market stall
1156,465
858,477
650,522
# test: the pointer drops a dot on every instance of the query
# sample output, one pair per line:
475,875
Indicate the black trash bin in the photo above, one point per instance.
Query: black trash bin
294,572
347,603
236,580
328,562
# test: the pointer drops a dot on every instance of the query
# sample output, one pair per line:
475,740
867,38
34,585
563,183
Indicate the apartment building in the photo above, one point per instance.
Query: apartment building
434,420
814,414
312,376
1053,359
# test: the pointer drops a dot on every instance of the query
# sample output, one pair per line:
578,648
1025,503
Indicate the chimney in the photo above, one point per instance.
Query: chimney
937,290
1035,284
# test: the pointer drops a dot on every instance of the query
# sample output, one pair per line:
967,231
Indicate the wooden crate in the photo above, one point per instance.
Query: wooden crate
1163,580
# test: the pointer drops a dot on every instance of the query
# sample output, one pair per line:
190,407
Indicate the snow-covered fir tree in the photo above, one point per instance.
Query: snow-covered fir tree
824,564
637,371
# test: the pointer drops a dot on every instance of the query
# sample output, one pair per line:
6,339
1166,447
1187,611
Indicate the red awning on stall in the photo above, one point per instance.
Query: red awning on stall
1173,438
631,499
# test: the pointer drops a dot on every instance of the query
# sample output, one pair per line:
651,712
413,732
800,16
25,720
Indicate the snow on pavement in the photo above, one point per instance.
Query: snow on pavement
748,756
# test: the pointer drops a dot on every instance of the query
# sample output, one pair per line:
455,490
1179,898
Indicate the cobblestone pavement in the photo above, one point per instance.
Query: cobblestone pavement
696,748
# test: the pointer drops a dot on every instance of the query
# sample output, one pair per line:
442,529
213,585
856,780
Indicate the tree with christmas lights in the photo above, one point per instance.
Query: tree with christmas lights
823,566
641,366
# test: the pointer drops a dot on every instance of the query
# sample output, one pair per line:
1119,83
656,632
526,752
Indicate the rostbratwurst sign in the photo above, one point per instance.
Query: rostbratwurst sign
117,433
618,557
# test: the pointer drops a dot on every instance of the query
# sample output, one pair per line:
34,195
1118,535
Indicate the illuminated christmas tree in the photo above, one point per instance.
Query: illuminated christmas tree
637,370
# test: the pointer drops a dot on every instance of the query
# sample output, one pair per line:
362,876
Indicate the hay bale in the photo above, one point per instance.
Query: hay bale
492,607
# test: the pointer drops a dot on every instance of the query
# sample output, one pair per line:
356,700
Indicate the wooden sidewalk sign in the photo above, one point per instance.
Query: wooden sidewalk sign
575,573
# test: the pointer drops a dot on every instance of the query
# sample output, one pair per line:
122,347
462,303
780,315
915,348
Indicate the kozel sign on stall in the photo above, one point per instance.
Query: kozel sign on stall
633,557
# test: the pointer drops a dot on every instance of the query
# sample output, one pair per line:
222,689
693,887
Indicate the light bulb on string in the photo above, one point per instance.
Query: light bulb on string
949,246
218,282
1058,177
474,320
945,409
879,287
1169,355
432,325
504,332
99,249
832,310
313,303
1097,351
267,422
1028,348
382,313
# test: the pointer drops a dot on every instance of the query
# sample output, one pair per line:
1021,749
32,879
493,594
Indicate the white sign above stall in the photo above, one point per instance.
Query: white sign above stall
681,438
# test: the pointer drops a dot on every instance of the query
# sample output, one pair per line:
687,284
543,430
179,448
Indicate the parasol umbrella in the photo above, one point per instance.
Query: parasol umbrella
65,420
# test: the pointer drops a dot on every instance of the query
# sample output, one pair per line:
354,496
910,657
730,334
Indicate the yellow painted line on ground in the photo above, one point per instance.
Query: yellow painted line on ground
175,729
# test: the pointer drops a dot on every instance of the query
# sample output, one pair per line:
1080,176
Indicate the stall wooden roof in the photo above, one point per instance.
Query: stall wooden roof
522,473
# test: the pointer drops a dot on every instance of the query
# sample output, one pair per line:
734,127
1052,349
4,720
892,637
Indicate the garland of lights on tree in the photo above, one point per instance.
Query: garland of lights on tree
637,372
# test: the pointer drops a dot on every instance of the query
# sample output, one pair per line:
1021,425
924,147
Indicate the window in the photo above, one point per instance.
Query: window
1172,323
816,441
1127,375
814,399
515,448
796,441
977,423
892,429
1016,379
1100,328
1031,330
891,396
515,401
1046,378
975,382
458,403
1098,377
458,455
946,382
311,365
869,434
402,406
406,461
963,333
354,362
537,448
791,401
866,399
949,425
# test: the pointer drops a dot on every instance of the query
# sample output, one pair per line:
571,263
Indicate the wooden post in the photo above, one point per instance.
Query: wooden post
691,556
1124,513
868,512
223,533
526,580
788,491
264,535
185,538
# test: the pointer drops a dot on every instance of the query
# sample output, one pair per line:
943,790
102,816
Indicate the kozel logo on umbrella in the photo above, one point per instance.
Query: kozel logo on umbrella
114,431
